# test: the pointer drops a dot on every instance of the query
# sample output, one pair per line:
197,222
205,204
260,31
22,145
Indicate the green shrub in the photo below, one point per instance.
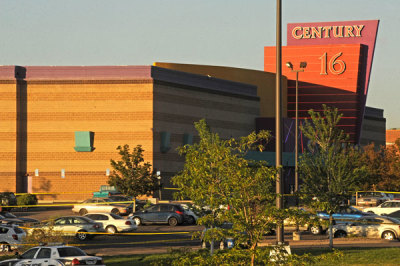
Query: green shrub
186,257
27,199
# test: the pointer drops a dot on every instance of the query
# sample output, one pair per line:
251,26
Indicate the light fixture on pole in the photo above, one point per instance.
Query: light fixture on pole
159,184
303,65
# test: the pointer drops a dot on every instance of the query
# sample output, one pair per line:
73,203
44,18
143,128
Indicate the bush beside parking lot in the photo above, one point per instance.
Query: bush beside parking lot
350,256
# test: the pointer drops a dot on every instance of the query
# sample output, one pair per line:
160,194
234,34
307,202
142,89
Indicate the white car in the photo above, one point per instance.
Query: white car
54,255
385,208
370,226
10,237
113,223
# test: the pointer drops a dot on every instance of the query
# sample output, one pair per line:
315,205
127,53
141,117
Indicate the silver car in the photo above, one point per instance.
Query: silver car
10,237
370,226
104,205
82,228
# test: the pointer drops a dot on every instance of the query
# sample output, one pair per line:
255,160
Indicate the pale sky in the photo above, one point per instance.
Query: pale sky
213,32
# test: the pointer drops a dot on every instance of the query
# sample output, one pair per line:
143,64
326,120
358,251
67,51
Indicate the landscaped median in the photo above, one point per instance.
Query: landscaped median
341,256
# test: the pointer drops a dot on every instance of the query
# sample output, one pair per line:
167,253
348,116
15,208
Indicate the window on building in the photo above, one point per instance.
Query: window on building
165,141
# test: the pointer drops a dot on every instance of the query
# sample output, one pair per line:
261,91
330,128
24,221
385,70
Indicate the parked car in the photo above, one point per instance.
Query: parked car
371,198
7,199
385,208
9,218
191,217
345,215
172,214
119,199
10,237
70,226
370,226
97,205
113,223
54,255
307,222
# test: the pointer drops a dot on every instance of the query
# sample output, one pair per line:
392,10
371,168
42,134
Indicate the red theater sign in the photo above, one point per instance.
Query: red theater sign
349,31
339,60
344,32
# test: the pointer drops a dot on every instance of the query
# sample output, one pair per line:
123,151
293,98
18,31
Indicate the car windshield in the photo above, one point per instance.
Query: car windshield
84,219
18,230
116,217
29,254
70,252
393,220
8,215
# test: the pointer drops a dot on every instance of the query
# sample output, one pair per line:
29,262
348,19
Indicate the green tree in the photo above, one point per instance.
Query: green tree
216,173
329,170
131,175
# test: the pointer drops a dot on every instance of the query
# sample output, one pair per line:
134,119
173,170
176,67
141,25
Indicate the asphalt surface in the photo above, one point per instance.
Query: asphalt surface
149,239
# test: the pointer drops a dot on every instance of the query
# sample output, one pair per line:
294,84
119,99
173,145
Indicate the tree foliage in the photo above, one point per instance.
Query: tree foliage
216,175
329,170
131,175
383,167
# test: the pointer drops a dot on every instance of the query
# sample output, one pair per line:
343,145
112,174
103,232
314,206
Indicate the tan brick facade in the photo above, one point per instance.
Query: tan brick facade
41,113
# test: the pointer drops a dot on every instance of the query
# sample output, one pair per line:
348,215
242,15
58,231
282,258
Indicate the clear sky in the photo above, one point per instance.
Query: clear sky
214,32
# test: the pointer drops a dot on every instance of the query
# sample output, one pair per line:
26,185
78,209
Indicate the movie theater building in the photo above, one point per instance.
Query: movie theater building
60,126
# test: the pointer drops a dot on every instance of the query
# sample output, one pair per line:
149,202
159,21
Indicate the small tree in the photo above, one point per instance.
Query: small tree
216,173
131,175
329,169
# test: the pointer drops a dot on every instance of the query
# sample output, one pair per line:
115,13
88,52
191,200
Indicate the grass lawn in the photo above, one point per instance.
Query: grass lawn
351,256
359,256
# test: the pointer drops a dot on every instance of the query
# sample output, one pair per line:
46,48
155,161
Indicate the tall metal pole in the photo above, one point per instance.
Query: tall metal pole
296,150
278,127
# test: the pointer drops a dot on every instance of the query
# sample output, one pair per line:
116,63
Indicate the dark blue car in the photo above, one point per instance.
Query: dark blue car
171,214
345,215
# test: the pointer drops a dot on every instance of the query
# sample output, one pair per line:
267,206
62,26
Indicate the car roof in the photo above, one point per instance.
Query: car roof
55,246
104,213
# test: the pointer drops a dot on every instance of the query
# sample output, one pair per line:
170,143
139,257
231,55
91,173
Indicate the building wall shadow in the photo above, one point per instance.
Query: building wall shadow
21,128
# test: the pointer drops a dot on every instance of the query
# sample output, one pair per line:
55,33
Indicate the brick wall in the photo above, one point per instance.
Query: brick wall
8,135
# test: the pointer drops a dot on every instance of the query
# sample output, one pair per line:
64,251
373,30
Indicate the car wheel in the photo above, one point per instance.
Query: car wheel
83,212
82,235
111,229
4,247
388,235
115,211
172,221
370,212
191,220
316,230
340,234
137,220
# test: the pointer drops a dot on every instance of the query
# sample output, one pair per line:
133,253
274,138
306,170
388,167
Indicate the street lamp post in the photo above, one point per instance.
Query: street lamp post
296,149
159,184
278,114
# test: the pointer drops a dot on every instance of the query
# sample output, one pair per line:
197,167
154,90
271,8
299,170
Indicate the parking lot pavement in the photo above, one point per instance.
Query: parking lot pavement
148,243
